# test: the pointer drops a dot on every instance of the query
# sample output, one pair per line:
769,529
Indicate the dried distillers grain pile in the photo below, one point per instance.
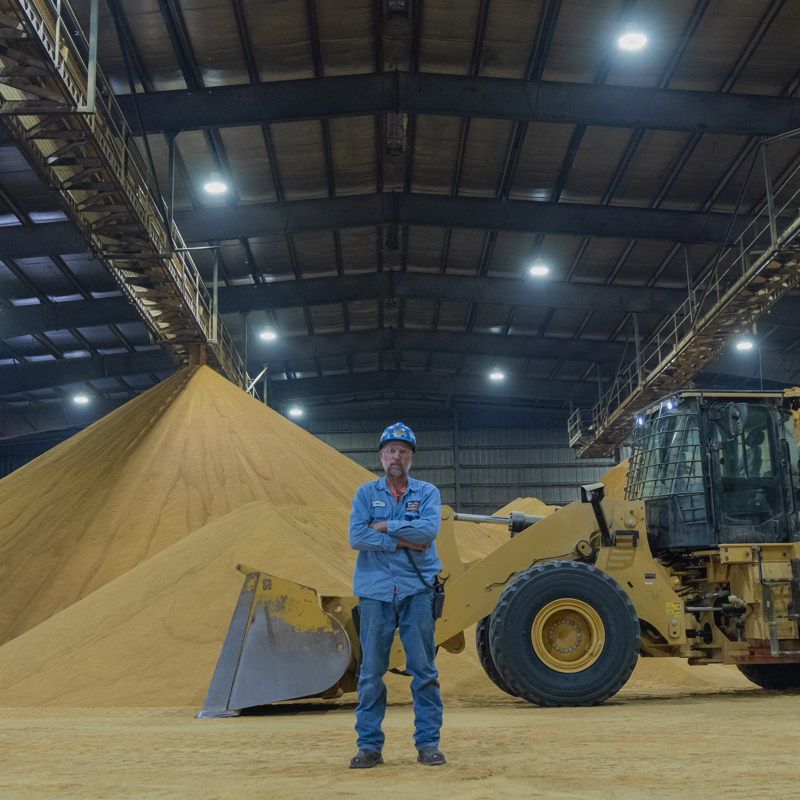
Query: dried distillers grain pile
185,453
614,480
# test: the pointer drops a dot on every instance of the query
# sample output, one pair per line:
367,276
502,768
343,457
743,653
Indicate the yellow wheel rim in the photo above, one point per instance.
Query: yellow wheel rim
568,635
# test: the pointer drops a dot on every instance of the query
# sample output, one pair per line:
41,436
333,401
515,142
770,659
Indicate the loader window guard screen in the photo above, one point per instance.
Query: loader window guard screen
666,459
748,469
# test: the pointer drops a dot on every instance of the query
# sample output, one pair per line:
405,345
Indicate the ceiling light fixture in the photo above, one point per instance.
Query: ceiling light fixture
80,399
539,269
744,344
496,375
296,412
215,184
632,41
268,335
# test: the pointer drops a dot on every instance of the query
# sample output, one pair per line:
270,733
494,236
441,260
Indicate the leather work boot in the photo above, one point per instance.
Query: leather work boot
430,756
366,759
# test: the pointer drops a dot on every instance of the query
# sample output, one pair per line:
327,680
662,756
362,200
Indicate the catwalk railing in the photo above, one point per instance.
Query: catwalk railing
749,275
64,117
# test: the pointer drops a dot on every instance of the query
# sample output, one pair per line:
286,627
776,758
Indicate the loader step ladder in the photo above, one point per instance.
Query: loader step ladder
751,275
63,116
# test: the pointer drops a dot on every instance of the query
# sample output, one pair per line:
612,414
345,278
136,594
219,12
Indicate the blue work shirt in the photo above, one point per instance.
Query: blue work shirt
381,566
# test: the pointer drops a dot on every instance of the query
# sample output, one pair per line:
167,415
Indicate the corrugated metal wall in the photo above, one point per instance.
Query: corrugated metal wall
480,460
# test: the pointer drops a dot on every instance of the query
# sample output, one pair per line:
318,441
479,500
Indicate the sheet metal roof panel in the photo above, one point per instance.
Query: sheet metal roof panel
513,254
363,314
540,161
642,262
464,255
328,318
279,37
510,29
346,40
272,256
353,154
598,258
217,49
418,314
250,169
491,318
44,276
656,156
452,316
199,165
301,159
484,157
160,153
774,63
448,36
359,249
528,319
596,161
291,321
721,37
152,41
316,256
583,36
425,249
435,153
704,171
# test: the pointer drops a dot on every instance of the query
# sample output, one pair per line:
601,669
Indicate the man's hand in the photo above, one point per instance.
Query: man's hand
412,545
379,526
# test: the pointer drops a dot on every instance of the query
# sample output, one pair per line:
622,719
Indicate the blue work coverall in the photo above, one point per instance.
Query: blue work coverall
392,596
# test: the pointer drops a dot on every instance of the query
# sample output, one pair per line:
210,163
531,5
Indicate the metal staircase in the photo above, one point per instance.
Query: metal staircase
750,276
63,116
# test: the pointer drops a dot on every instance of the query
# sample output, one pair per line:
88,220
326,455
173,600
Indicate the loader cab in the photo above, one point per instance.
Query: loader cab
716,469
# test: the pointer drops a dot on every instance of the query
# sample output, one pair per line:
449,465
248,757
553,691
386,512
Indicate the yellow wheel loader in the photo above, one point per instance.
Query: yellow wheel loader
701,561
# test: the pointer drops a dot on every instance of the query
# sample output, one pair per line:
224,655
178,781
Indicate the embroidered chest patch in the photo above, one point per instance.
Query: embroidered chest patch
413,506
378,503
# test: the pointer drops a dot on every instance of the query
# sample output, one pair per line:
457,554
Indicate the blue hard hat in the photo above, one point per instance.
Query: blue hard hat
399,433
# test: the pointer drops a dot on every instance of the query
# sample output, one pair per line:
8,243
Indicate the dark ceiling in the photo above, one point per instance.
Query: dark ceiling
395,168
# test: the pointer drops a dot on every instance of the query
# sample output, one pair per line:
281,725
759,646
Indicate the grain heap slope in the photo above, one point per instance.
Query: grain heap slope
183,454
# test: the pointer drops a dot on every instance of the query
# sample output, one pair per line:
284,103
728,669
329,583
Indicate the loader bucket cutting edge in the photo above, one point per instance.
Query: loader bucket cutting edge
280,645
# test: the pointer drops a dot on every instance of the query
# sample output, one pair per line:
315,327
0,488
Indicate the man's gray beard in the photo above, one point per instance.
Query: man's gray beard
403,472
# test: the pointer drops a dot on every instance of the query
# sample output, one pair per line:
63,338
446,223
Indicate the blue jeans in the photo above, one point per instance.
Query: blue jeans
414,617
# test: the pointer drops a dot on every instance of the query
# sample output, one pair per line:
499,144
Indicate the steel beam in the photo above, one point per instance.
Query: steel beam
18,378
296,348
429,383
365,211
453,95
25,320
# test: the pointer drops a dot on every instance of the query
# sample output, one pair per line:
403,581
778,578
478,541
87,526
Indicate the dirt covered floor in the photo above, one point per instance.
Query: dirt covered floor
739,744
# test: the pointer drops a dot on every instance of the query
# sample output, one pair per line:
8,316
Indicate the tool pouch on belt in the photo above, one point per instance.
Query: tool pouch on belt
438,588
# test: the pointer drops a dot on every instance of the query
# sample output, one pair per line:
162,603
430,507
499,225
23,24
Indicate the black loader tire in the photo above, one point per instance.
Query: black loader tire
485,656
778,677
547,586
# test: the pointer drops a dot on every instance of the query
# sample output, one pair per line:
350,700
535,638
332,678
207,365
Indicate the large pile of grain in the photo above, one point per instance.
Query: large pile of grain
187,452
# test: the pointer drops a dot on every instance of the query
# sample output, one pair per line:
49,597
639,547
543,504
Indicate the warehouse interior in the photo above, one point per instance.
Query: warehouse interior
510,224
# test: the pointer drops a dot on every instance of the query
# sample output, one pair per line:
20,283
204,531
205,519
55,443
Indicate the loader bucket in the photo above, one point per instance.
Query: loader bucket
280,645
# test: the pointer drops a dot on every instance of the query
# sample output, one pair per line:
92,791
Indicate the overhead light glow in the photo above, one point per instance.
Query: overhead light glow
268,335
215,184
632,41
669,404
296,412
744,344
640,421
539,269
81,399
496,375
